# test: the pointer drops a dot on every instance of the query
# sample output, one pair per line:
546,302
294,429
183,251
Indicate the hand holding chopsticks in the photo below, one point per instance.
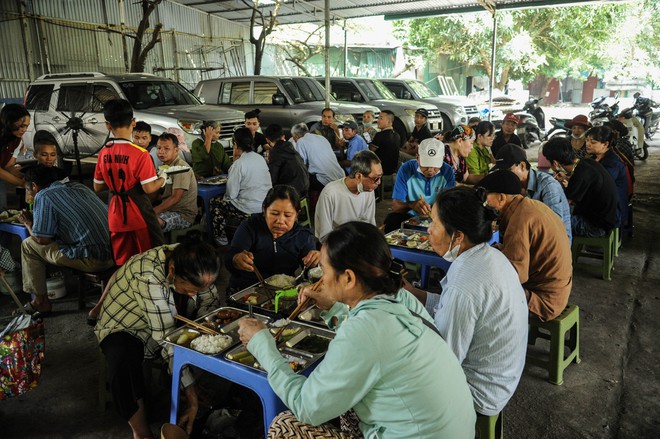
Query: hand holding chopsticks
204,329
301,306
423,207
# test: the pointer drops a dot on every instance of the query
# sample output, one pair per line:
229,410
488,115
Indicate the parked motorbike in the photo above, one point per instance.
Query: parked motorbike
558,128
634,134
605,104
603,112
531,122
648,114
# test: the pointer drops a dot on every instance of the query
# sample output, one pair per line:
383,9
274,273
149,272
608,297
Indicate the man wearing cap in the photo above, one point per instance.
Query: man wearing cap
587,185
350,198
535,242
418,182
535,185
354,143
419,133
507,134
579,126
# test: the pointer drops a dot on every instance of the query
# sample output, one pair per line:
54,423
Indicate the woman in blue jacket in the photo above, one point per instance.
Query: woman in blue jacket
272,241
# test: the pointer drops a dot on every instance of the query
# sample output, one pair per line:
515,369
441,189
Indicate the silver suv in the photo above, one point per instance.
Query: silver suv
284,100
374,92
455,110
69,106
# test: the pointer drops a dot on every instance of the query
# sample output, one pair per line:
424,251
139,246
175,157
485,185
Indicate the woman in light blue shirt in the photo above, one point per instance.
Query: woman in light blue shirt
248,183
482,312
387,361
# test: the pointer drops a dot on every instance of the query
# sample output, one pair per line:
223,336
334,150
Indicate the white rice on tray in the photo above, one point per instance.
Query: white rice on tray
211,344
281,280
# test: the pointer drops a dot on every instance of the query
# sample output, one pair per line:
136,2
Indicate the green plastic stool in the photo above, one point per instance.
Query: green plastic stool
555,331
618,240
490,427
304,205
606,243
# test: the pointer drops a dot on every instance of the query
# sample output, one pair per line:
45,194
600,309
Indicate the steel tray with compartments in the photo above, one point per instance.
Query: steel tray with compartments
409,239
229,328
295,344
417,223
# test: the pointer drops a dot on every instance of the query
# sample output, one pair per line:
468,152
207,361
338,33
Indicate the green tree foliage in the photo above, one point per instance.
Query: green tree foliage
555,42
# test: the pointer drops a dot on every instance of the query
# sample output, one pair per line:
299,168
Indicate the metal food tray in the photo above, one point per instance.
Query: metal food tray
312,315
230,329
216,180
288,346
405,235
265,301
417,223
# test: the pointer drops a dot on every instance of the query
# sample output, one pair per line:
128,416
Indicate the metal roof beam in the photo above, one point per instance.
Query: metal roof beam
500,6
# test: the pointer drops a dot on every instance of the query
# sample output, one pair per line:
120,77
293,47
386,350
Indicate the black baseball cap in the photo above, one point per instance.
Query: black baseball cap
423,111
509,155
350,124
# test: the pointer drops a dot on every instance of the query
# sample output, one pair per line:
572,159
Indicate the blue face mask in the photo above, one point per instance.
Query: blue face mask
367,124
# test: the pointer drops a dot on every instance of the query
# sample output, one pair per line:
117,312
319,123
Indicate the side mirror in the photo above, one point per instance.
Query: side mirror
279,99
406,95
202,100
356,97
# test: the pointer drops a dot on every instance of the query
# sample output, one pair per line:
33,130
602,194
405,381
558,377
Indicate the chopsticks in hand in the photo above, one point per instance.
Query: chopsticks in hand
196,325
301,306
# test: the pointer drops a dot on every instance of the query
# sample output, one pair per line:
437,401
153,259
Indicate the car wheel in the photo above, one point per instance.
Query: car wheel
400,129
446,123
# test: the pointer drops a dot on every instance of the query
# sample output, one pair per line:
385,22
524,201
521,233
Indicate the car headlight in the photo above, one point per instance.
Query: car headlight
190,126
343,118
411,111
460,110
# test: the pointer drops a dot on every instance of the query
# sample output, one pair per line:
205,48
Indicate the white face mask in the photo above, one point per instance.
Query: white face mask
452,253
360,187
578,137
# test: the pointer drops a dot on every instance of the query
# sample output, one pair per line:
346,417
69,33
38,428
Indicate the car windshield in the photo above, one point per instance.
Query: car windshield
375,89
422,90
149,94
304,90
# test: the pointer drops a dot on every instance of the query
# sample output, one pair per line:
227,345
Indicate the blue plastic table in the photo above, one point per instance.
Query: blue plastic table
427,259
206,192
218,365
16,229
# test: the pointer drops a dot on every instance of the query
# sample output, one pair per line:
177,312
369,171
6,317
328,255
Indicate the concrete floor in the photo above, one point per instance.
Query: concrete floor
612,393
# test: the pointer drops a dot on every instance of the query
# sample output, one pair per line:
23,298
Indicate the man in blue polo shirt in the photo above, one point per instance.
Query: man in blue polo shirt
355,144
418,182
68,228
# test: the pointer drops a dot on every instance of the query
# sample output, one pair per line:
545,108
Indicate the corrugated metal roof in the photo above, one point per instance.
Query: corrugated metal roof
305,11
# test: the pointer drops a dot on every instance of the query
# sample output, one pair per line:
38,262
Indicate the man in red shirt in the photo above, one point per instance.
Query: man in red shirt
126,170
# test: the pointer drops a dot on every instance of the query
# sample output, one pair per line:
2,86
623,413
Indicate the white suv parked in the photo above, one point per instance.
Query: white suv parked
69,107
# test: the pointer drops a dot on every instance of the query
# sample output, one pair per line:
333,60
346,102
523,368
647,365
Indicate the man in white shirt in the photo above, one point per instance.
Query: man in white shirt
351,198
318,156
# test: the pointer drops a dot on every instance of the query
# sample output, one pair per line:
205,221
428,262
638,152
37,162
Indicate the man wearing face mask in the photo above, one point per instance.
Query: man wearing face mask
350,198
579,126
535,242
418,181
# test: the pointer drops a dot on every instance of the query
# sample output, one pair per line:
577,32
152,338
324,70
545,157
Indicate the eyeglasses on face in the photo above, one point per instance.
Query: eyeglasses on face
375,180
